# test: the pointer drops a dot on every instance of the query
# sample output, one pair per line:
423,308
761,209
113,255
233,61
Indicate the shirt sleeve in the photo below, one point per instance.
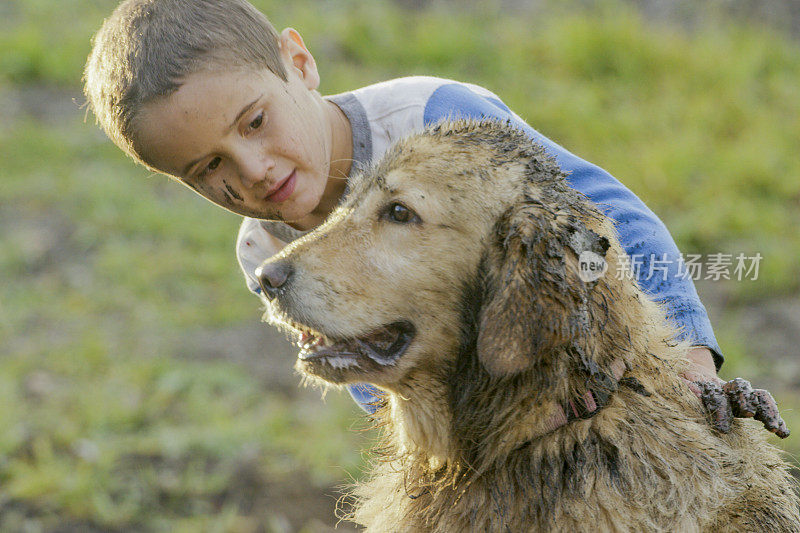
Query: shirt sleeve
655,259
254,245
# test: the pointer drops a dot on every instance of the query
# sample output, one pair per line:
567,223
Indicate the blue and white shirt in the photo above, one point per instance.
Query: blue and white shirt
382,113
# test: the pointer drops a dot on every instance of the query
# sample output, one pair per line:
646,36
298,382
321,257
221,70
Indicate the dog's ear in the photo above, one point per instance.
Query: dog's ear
536,297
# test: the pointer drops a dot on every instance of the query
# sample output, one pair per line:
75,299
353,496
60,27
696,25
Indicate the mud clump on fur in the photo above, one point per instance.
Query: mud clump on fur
737,398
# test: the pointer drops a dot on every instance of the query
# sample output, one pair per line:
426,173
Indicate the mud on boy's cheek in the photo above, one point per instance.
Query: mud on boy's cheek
232,192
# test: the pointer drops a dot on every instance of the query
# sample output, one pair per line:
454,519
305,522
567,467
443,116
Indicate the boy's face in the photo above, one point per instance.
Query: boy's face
246,140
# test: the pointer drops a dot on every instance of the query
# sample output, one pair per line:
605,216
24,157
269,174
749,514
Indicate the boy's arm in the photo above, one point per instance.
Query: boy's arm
254,245
701,365
641,233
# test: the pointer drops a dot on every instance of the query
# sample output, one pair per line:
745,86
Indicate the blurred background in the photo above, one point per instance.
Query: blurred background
139,390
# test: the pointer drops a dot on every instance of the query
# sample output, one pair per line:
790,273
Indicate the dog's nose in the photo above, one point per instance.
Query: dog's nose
273,276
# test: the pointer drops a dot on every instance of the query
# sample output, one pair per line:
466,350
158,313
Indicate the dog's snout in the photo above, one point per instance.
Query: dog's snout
273,276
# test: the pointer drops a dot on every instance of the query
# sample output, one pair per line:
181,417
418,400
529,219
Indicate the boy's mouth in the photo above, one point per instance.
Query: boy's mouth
283,189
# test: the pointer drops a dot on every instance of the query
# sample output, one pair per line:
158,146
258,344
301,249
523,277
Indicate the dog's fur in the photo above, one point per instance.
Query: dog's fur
506,331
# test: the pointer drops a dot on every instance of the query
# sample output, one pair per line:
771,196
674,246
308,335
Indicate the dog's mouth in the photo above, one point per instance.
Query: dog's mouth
384,345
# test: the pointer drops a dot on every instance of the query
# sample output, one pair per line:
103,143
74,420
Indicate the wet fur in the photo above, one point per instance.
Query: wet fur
506,331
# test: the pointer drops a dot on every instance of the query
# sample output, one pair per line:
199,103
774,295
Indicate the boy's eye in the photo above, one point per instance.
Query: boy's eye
211,166
256,123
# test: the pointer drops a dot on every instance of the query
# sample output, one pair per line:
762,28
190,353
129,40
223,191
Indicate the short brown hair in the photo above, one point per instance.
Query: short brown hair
146,48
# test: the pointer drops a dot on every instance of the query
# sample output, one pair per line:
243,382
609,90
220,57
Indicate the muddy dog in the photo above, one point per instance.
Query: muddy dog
520,394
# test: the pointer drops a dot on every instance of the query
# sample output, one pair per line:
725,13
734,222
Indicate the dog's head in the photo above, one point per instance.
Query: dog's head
466,227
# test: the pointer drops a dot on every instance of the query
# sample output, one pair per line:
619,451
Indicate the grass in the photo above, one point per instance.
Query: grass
109,273
105,420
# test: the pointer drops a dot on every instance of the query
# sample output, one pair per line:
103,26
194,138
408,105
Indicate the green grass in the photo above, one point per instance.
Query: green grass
679,119
104,421
108,271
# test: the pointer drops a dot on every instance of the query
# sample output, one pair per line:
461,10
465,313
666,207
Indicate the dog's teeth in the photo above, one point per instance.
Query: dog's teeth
301,340
308,339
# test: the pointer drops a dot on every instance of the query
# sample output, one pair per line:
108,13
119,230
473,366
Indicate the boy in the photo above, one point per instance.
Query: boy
208,93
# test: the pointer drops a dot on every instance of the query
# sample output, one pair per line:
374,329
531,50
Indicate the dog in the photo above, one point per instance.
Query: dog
518,394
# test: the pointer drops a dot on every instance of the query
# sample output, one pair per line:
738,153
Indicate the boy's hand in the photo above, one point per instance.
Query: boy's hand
734,399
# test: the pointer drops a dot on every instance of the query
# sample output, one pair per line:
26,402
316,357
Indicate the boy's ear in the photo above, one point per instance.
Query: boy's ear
299,60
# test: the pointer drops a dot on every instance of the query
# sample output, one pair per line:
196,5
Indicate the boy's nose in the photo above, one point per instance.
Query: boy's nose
254,170
273,277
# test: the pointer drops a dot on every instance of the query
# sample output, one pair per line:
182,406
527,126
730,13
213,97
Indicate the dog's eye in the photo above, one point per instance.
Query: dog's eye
399,213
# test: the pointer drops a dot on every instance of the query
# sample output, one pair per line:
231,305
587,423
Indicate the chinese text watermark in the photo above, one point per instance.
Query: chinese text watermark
714,267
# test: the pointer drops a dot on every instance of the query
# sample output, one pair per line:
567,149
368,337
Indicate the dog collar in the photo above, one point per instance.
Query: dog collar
591,402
